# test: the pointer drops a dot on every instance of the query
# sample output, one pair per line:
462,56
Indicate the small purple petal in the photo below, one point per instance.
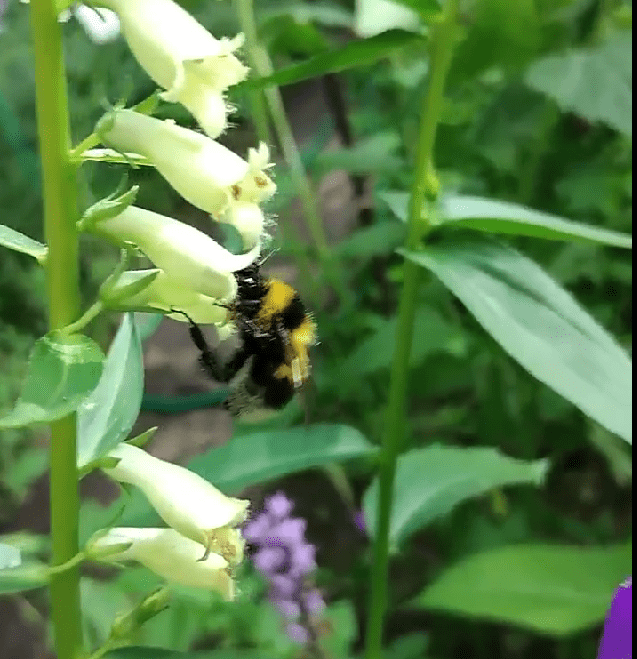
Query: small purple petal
290,532
303,560
313,601
283,585
297,632
289,609
269,559
359,521
279,505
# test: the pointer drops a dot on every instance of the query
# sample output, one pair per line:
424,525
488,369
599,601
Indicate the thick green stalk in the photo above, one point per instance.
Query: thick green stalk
60,215
425,187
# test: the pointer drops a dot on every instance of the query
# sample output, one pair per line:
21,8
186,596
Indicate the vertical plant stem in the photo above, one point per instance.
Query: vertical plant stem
60,215
260,61
424,187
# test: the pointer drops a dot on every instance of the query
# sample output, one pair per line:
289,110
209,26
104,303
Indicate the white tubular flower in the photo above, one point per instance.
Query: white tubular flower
165,294
202,171
184,500
189,257
248,220
181,56
169,554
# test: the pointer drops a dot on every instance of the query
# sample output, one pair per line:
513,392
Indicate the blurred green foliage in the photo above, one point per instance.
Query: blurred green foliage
538,114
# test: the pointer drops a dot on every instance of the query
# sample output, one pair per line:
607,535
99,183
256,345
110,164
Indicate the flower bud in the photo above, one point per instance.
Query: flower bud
169,555
184,500
189,257
181,56
202,171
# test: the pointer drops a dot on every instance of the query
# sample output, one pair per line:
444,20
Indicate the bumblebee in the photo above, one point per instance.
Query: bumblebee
275,332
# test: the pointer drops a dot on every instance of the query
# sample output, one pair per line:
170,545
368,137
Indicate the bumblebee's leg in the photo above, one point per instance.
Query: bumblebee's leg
208,360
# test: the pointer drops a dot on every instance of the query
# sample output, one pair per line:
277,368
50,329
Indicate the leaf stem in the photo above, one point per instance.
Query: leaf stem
424,188
60,216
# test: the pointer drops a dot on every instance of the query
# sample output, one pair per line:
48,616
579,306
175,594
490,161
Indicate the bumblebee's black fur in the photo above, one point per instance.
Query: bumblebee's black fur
264,343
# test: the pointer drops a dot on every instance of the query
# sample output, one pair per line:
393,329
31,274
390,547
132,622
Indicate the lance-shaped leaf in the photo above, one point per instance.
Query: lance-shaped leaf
551,589
20,243
108,414
540,325
63,370
431,481
493,216
360,52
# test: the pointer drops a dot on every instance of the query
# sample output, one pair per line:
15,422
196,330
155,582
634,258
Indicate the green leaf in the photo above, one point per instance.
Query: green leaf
373,154
432,334
551,589
362,52
425,8
108,414
20,243
147,323
149,652
493,216
26,576
263,456
595,83
342,621
9,556
540,325
62,372
431,481
377,16
381,238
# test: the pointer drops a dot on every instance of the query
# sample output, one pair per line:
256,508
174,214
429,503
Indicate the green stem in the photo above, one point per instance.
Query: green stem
60,216
92,312
425,187
260,62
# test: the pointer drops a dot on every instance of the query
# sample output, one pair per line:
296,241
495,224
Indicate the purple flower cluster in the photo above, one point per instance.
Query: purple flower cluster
285,559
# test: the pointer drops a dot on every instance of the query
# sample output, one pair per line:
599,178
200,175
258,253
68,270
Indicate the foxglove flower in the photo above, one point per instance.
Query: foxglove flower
181,56
184,500
165,294
202,171
101,26
187,256
285,559
168,554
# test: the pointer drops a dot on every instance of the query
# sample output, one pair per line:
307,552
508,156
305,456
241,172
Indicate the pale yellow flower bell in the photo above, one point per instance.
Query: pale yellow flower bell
184,500
168,554
181,56
202,171
189,257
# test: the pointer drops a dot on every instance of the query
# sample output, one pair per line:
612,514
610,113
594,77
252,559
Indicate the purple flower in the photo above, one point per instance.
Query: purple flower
285,559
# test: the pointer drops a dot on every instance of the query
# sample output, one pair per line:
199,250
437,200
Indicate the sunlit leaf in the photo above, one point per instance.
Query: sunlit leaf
550,589
108,414
431,481
539,324
62,372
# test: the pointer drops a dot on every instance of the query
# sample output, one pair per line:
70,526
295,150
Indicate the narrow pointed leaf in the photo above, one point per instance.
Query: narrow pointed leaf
540,325
263,456
62,372
493,216
360,52
431,481
550,589
20,243
106,417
